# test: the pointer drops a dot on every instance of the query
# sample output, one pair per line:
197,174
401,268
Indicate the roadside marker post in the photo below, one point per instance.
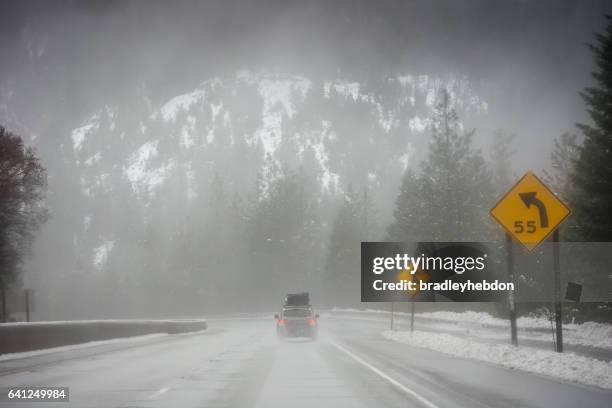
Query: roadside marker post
530,212
27,304
4,314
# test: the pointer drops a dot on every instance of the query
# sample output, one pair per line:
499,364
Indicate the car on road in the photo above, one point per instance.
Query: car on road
297,321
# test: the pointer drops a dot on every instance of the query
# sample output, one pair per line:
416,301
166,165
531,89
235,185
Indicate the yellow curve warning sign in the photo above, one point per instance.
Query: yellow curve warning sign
529,211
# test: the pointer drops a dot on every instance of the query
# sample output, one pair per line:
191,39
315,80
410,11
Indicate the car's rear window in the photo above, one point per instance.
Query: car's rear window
297,312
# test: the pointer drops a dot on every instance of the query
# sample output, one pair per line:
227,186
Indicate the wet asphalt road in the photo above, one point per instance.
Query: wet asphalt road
240,363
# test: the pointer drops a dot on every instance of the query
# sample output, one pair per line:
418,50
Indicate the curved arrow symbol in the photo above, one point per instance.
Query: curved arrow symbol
529,199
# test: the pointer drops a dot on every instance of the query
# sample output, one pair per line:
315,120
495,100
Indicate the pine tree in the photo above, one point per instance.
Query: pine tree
22,191
501,160
592,177
367,215
563,159
341,277
283,236
409,207
449,199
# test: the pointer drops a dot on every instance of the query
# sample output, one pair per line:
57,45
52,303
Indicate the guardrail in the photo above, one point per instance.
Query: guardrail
19,337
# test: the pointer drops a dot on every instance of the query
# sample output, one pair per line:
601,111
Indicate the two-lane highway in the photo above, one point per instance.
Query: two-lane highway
240,363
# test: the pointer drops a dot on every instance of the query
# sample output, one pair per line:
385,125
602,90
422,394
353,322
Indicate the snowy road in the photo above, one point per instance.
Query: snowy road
239,363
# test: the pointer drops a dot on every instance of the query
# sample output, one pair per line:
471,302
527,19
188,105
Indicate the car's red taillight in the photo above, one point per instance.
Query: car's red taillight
281,322
312,322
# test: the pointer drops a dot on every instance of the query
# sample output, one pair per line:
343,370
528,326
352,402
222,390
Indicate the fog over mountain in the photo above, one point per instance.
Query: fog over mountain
188,143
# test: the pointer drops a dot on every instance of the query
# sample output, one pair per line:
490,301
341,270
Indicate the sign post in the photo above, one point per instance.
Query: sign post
530,212
511,304
558,309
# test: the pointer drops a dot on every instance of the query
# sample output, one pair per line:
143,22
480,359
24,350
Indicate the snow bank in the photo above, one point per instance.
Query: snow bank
592,334
33,353
589,334
564,366
77,322
23,337
485,319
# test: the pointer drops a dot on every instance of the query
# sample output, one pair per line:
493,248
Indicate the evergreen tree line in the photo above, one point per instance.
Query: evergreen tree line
447,198
221,250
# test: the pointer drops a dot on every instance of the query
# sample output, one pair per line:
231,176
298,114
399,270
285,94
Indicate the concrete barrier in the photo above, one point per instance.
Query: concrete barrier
19,337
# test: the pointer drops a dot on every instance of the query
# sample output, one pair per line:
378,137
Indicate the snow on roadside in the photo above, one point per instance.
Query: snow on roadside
486,319
119,340
565,366
76,322
593,334
33,353
590,334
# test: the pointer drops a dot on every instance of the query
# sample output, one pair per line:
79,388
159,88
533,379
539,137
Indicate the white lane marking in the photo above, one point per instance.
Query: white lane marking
159,393
385,376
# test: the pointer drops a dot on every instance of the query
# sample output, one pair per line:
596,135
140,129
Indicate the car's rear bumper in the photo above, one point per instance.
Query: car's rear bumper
297,331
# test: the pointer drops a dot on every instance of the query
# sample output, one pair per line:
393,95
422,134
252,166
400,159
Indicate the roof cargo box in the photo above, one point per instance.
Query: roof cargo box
297,299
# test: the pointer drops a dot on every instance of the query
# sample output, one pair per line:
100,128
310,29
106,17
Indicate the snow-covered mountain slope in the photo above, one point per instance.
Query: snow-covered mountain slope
146,198
342,131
